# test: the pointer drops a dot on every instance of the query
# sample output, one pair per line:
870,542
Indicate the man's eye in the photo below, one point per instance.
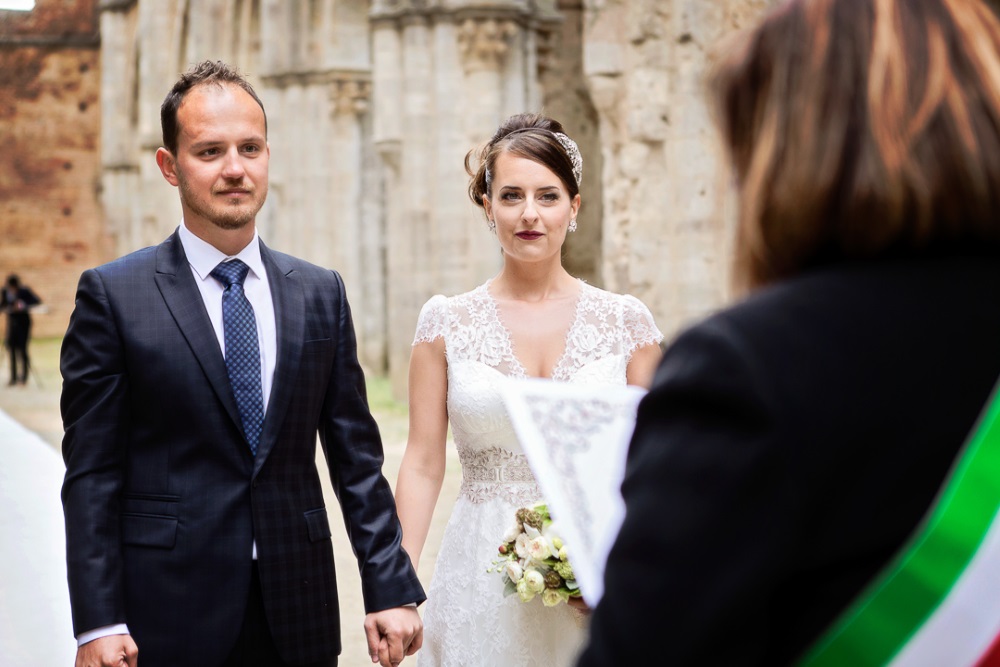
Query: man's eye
251,149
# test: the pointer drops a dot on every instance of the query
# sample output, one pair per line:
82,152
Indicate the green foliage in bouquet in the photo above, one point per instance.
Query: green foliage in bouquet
534,560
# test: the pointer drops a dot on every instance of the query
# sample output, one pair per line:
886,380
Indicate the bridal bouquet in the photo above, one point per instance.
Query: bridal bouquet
533,559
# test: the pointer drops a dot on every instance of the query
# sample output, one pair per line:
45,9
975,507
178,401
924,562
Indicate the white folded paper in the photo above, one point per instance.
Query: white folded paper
576,439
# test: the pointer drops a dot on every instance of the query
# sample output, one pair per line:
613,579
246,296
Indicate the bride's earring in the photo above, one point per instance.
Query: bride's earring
572,225
492,224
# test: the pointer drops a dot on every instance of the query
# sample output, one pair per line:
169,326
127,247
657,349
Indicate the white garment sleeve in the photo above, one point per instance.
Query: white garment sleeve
97,633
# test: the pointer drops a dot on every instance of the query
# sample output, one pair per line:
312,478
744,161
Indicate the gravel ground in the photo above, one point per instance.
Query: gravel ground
36,406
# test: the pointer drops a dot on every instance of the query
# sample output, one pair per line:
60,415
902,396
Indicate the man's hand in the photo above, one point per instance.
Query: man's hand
110,651
393,634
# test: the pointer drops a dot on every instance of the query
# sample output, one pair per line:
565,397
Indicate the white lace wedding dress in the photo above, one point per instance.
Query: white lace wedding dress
467,620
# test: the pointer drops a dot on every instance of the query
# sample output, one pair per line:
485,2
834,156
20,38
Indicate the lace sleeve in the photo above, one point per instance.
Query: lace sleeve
639,326
433,320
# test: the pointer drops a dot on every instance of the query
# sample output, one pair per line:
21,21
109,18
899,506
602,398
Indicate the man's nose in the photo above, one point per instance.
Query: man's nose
232,167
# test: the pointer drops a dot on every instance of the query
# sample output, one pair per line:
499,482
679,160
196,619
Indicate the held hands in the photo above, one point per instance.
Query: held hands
109,651
392,635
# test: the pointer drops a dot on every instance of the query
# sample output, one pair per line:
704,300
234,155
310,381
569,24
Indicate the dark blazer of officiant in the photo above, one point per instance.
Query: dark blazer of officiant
787,449
790,444
159,470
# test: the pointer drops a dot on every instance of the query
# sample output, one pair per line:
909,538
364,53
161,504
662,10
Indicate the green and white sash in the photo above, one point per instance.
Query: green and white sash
938,601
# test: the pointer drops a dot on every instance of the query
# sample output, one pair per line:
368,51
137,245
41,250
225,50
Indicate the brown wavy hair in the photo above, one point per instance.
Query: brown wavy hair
860,129
527,135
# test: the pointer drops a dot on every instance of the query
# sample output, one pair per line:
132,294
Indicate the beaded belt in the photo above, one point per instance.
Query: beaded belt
497,473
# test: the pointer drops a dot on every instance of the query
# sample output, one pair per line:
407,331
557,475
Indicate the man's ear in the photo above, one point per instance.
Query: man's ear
167,164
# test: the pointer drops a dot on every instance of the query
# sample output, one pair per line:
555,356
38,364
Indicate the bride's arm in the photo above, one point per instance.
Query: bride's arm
422,469
642,365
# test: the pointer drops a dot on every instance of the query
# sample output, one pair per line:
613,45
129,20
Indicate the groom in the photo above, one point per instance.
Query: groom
197,374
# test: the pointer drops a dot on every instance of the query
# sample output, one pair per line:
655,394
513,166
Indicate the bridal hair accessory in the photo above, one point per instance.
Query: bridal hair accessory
572,152
533,559
572,225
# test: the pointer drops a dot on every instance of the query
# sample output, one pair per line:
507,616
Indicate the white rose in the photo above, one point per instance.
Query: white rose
514,571
521,546
553,596
512,533
534,581
538,548
523,591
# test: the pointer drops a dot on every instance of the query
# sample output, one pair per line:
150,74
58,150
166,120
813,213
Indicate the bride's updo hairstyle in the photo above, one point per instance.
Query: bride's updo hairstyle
531,136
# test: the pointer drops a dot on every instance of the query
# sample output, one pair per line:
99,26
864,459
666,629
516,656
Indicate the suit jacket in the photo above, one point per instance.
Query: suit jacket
787,449
162,496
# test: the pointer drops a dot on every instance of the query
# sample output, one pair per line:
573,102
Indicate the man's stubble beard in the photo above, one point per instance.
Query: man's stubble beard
226,217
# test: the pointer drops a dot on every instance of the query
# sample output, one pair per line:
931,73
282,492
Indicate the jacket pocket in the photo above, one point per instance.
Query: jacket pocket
150,504
317,524
149,530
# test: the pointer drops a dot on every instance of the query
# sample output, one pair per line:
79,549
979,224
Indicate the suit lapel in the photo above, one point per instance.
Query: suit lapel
181,294
289,316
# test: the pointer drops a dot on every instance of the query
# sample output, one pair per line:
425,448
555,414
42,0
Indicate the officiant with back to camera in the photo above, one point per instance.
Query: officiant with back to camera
533,319
792,444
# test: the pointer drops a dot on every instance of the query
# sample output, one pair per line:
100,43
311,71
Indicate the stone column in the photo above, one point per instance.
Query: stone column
444,77
352,228
119,146
565,97
159,45
485,47
411,232
385,209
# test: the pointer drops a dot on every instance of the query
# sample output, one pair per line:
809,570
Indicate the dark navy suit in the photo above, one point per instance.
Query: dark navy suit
163,499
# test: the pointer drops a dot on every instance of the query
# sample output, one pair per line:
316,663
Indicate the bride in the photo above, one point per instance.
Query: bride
531,320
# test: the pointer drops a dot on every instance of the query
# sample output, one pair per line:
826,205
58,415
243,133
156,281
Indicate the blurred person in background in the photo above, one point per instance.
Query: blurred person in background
791,444
17,300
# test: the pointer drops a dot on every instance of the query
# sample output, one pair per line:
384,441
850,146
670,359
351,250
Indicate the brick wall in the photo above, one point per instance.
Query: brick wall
51,224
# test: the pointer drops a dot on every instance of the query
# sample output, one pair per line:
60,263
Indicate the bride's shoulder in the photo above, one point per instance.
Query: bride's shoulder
441,312
633,313
625,301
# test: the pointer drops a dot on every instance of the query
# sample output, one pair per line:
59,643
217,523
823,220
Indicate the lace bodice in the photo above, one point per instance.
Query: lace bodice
605,325
605,330
467,620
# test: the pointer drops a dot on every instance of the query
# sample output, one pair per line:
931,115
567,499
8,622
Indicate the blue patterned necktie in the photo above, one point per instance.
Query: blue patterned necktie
242,351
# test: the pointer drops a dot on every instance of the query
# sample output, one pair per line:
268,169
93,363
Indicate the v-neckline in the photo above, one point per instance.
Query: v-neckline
515,361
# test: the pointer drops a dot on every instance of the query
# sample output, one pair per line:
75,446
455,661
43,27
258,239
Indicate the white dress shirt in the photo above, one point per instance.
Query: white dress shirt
202,258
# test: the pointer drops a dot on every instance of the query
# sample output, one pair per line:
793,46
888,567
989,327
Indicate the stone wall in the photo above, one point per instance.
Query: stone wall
445,75
372,107
667,205
51,222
